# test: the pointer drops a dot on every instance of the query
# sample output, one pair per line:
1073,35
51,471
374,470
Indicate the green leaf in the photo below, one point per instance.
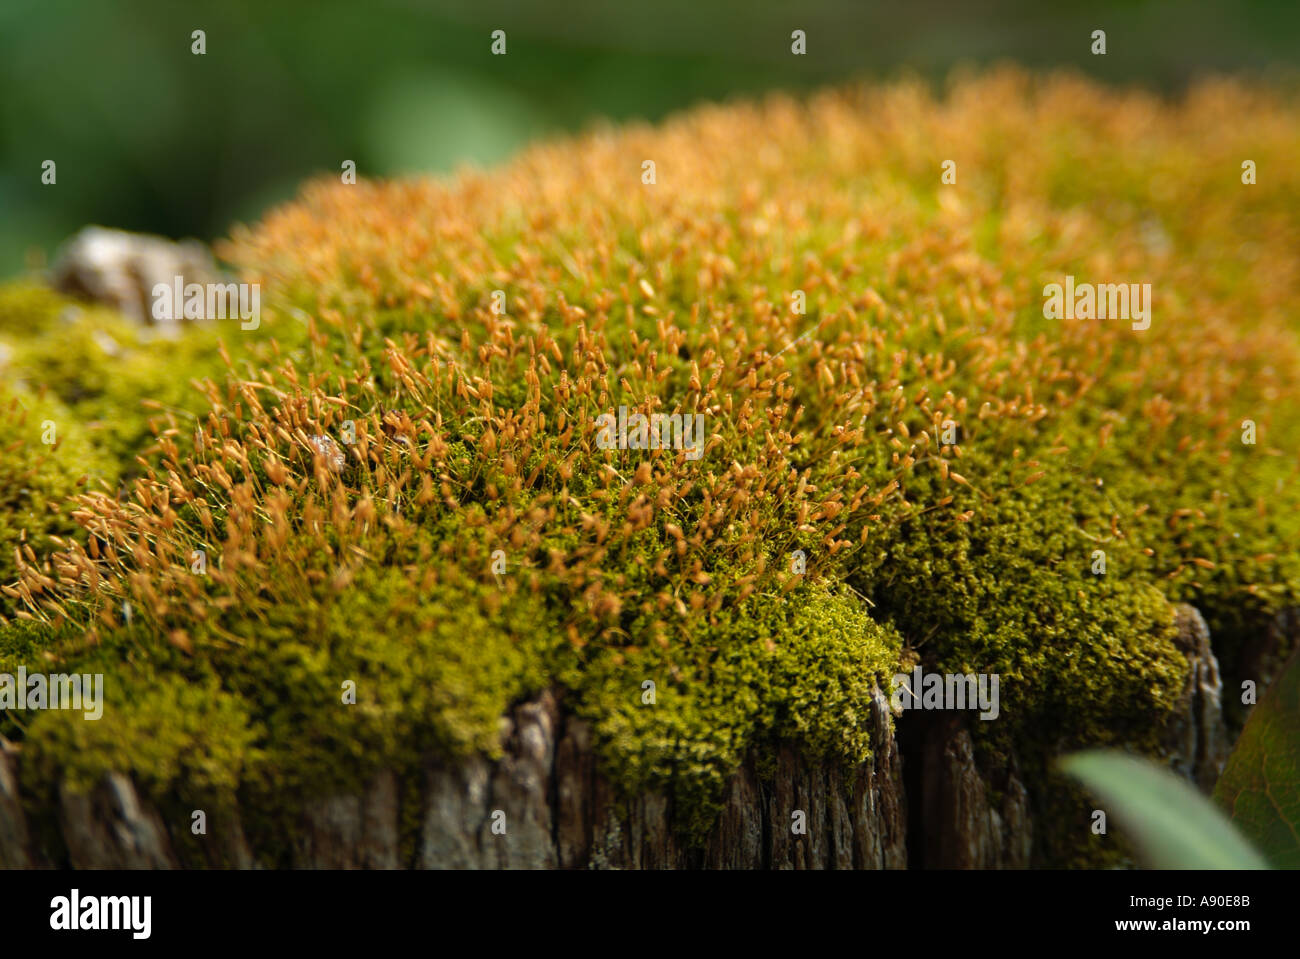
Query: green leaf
1260,785
1173,826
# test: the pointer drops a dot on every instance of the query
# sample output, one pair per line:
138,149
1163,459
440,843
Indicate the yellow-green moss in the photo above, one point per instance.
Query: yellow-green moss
118,378
168,731
45,456
474,432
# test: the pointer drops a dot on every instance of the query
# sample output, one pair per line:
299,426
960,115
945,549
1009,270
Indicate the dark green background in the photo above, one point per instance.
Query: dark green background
149,137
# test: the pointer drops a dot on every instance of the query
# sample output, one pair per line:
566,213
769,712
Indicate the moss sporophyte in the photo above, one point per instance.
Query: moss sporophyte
355,469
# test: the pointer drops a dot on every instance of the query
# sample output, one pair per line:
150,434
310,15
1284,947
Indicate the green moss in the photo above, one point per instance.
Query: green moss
28,310
120,379
1081,657
473,435
46,456
165,731
798,669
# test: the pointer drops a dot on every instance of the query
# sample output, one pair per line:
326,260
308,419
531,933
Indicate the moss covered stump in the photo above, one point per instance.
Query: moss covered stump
439,538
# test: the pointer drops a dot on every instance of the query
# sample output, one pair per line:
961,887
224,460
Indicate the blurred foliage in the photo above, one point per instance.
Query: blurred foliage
1174,826
148,136
1260,786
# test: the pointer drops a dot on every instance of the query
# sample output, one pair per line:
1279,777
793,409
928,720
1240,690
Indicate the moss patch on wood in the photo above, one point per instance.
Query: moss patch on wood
945,460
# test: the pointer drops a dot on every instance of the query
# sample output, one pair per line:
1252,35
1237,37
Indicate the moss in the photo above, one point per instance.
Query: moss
799,669
120,380
1011,591
45,459
947,458
163,730
28,310
434,671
